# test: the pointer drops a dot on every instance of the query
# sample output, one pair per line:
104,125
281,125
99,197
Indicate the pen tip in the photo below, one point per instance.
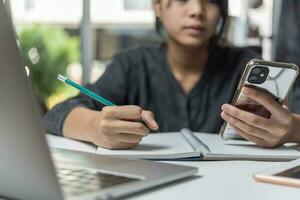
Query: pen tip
61,77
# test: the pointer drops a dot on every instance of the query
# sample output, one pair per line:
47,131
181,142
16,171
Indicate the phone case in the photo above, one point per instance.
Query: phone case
278,83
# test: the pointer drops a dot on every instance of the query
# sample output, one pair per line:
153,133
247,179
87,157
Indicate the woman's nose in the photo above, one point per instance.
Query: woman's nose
197,8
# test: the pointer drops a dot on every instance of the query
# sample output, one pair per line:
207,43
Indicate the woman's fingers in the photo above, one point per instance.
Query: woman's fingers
130,112
251,138
266,132
127,138
247,117
121,127
246,128
264,99
259,136
148,118
118,134
117,126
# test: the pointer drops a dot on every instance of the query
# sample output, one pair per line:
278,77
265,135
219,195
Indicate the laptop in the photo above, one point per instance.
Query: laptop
30,170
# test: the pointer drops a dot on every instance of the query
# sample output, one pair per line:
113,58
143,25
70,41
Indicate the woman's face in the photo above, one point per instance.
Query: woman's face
191,23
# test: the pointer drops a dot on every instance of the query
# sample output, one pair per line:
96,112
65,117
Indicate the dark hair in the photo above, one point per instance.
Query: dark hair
223,6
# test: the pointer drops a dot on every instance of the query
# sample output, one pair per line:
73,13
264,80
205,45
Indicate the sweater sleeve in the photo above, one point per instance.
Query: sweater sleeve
111,85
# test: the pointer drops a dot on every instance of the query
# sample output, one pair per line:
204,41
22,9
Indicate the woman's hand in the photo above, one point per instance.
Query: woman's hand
265,132
120,127
115,127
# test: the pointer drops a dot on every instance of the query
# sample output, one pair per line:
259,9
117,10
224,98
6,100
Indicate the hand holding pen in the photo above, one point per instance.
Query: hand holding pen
114,127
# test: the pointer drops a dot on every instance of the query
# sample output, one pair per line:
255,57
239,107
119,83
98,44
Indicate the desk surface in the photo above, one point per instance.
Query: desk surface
223,180
215,180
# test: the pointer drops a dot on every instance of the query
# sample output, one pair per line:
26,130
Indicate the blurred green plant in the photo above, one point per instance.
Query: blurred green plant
47,51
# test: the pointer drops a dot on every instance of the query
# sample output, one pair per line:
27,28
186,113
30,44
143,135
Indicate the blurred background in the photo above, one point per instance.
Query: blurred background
78,38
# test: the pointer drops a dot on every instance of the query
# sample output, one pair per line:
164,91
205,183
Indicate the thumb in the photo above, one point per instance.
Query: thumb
148,118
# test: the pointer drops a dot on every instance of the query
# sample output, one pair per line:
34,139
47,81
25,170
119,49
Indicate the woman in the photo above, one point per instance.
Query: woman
184,81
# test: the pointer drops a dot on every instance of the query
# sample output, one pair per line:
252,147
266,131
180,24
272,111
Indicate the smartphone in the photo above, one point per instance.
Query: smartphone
274,78
284,174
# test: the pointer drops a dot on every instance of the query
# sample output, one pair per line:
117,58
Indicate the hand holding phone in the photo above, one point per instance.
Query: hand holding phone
258,115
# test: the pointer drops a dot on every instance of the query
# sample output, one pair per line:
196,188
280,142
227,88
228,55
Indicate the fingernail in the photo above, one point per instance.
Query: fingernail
222,115
225,107
154,124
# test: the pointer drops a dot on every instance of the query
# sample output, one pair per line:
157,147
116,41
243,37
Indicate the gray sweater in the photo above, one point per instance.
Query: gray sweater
141,76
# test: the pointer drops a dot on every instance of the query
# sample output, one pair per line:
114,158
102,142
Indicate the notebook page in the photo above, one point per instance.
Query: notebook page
65,143
219,146
155,145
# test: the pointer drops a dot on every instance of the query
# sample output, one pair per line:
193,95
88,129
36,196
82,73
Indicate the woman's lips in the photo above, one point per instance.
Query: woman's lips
195,30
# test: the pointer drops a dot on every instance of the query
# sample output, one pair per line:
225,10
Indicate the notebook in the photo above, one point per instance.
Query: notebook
186,145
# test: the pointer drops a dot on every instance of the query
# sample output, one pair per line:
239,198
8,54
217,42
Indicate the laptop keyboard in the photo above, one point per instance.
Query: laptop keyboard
77,182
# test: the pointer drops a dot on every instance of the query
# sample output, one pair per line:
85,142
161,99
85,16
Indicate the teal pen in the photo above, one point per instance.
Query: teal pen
86,91
89,93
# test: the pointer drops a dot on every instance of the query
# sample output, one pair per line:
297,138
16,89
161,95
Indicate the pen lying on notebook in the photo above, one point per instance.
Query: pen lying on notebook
89,93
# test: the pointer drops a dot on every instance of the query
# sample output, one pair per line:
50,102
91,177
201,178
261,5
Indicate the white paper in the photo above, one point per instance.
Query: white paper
156,145
65,143
173,145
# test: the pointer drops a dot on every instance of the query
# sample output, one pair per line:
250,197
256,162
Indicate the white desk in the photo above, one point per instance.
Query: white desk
220,180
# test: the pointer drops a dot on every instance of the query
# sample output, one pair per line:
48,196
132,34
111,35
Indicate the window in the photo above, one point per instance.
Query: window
29,5
137,5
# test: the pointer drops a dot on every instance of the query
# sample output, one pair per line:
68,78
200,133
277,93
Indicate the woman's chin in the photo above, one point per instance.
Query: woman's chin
194,43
